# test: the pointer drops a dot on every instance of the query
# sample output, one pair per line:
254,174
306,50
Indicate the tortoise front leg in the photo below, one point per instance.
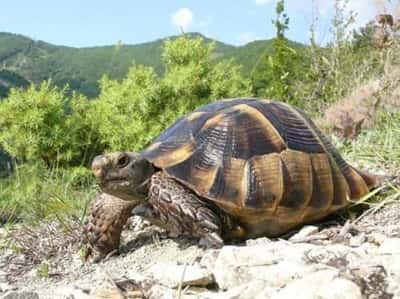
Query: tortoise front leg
102,232
180,211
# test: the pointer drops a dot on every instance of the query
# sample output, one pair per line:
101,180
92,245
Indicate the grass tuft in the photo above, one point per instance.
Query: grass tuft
34,193
377,150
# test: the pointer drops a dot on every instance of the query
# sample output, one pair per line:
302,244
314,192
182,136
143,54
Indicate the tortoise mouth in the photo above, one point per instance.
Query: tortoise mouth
111,181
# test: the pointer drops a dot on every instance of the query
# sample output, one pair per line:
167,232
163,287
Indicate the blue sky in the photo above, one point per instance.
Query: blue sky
99,22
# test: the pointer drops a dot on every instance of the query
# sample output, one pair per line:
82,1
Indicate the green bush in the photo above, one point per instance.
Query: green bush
42,124
130,114
123,112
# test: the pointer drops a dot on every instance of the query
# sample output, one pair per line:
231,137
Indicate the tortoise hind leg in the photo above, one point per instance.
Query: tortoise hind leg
178,210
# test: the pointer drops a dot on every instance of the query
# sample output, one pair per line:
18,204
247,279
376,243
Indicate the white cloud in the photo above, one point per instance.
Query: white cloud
182,18
246,37
262,2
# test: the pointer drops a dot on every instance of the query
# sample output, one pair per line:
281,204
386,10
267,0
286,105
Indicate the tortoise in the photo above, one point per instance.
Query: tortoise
232,169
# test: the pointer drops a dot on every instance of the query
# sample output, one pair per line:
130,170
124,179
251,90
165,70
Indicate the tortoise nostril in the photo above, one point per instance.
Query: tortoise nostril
98,165
97,162
123,160
98,172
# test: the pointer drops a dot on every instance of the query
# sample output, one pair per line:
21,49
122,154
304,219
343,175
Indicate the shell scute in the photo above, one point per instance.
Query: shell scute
297,174
266,184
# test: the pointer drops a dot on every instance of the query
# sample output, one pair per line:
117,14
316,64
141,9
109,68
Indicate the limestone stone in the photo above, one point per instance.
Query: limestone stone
390,246
70,292
21,295
304,232
275,264
173,275
324,284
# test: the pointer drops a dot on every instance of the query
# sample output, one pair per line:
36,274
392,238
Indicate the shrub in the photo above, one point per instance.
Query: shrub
130,114
42,124
123,113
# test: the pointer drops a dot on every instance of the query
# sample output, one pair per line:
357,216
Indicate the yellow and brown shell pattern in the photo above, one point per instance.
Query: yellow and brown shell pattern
258,159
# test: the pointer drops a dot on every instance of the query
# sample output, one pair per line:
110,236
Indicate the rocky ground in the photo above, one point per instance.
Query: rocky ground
355,259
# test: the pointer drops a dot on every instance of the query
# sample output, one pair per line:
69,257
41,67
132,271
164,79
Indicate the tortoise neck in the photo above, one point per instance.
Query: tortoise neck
142,190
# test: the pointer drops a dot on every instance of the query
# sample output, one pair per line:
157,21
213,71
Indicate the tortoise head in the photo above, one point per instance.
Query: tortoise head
123,174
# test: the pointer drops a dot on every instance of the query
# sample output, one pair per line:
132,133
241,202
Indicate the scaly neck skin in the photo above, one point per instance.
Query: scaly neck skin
137,194
142,191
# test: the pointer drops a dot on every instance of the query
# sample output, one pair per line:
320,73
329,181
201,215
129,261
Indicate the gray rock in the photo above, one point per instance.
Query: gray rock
172,275
335,255
4,287
161,292
21,295
373,279
339,288
70,292
275,263
258,241
209,258
376,237
391,262
390,246
323,284
112,293
3,275
357,240
394,287
306,231
252,290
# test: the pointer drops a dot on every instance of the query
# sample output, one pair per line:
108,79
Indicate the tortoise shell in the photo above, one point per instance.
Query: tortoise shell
258,157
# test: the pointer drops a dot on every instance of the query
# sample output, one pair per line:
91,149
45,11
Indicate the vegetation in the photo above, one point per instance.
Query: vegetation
379,149
81,68
274,79
53,132
34,192
42,124
10,79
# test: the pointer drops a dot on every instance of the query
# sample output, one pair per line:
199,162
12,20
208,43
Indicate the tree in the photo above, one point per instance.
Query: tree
130,114
276,78
42,124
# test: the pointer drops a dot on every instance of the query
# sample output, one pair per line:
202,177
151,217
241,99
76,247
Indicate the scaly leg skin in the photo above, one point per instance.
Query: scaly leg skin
180,211
102,232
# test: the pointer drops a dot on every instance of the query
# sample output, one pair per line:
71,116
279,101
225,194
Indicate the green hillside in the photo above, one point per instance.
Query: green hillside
81,68
10,79
250,55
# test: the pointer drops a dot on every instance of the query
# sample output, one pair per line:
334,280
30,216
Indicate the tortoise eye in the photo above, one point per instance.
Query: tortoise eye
123,161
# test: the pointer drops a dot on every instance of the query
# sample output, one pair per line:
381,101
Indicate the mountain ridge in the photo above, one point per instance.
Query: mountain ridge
82,67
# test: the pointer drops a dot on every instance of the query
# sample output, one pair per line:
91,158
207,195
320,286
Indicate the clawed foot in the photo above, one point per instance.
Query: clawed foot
95,256
105,257
211,240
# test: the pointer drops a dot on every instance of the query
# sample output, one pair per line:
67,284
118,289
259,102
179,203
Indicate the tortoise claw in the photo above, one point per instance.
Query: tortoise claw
105,257
211,240
208,224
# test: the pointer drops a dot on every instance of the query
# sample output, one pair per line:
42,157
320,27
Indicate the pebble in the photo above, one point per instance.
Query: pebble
357,240
21,295
306,231
322,284
172,275
390,246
